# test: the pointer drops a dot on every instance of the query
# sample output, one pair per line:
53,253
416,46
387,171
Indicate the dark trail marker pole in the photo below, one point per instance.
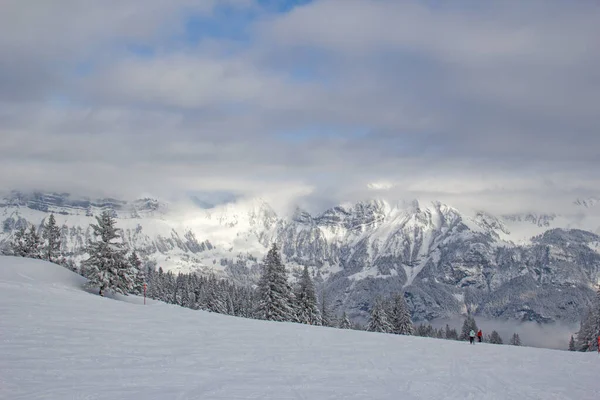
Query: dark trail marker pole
145,286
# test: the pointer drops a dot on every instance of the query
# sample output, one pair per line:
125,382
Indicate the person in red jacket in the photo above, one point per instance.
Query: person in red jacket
598,343
480,336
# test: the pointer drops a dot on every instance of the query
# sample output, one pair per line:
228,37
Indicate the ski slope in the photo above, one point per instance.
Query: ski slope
58,341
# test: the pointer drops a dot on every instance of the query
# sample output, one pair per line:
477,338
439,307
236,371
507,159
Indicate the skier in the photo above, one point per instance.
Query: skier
479,336
472,336
598,343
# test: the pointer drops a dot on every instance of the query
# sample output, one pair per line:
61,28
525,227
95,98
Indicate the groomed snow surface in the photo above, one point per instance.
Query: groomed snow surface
58,341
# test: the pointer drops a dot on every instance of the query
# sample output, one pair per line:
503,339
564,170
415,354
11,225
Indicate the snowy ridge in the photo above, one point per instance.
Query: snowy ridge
69,343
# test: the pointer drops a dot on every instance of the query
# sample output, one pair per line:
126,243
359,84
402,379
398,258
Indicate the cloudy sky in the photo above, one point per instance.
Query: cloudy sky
494,102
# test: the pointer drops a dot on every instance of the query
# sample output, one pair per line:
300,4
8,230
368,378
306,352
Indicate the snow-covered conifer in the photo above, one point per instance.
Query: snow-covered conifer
107,265
572,344
274,291
590,327
215,300
18,245
327,317
495,338
51,235
306,301
345,322
378,321
400,317
515,340
34,243
451,334
468,325
140,273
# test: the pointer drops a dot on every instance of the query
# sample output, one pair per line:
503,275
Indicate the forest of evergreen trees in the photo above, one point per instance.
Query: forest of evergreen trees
589,331
112,267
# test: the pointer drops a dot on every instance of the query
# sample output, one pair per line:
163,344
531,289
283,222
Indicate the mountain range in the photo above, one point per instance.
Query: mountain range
528,267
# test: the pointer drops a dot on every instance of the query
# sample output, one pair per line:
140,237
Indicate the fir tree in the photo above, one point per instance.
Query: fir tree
572,344
590,327
468,325
140,273
515,340
51,235
107,266
274,291
400,317
33,243
215,298
327,318
378,321
594,324
586,332
18,245
306,301
424,330
345,322
451,333
495,338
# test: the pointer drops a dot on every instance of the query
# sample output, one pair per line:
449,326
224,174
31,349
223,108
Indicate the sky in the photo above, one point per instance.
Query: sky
494,104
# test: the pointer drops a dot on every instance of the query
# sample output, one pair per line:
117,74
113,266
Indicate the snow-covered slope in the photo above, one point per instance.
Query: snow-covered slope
61,342
519,266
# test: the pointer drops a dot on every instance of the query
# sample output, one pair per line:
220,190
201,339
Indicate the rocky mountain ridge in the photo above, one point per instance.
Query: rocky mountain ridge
446,261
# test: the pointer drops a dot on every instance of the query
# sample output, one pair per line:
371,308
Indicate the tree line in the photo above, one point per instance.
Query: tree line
110,266
427,330
28,242
589,329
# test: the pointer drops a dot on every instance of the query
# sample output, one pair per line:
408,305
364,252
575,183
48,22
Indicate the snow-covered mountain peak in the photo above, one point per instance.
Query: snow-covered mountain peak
302,216
491,222
67,204
541,220
246,211
588,202
362,247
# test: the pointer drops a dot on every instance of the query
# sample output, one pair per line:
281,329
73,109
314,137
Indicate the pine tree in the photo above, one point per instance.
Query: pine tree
306,301
590,327
515,340
34,243
378,321
18,245
400,317
594,323
425,331
495,338
451,333
327,318
51,235
345,322
468,325
140,273
572,344
107,266
215,298
274,291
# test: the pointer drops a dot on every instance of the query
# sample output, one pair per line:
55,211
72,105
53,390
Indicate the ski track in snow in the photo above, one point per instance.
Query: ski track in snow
60,342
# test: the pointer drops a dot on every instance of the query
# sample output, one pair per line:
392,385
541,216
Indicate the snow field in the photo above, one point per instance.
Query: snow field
58,341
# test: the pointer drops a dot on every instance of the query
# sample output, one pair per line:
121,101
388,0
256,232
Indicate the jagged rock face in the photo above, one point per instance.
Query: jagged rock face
536,219
446,261
588,203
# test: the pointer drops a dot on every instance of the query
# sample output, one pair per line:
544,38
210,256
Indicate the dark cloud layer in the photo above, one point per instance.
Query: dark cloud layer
467,101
